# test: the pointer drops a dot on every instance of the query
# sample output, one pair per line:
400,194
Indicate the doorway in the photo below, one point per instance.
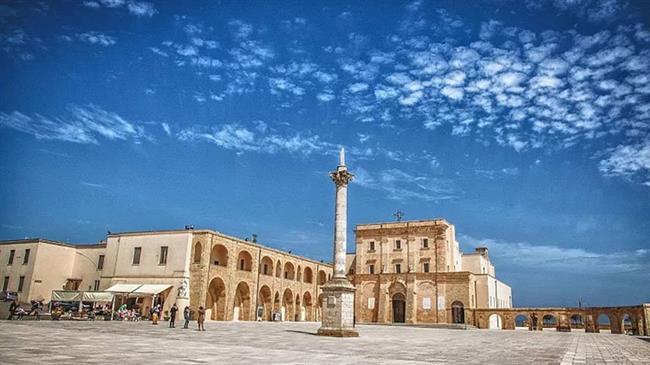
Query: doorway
399,308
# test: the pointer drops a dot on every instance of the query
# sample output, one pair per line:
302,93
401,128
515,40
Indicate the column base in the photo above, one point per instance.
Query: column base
338,309
338,332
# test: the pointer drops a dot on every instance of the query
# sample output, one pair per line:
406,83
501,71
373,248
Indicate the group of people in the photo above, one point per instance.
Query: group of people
16,310
187,315
125,314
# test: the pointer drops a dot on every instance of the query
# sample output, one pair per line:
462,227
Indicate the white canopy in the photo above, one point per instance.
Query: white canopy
152,289
123,288
75,296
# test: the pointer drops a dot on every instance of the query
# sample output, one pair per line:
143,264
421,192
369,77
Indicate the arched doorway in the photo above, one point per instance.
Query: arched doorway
399,308
242,307
216,300
266,266
307,306
495,322
278,270
287,305
307,277
322,277
522,322
289,271
457,312
604,323
549,322
276,304
577,323
266,303
319,306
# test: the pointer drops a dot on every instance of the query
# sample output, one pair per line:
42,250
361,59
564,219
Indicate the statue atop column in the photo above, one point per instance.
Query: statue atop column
338,302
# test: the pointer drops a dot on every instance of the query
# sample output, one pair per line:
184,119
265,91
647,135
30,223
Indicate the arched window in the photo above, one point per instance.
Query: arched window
245,261
198,250
219,255
308,276
266,266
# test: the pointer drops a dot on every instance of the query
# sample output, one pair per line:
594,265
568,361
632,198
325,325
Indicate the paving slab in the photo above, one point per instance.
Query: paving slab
101,342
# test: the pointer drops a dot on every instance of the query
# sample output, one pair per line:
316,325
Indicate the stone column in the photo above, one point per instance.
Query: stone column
338,301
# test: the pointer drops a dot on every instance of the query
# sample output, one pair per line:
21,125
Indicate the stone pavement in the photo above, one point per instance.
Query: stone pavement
67,342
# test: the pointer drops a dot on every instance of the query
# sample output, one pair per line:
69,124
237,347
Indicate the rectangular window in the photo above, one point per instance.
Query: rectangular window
425,243
398,244
371,269
21,283
241,264
266,268
425,267
398,268
12,253
96,285
100,262
26,257
371,246
136,255
5,284
163,255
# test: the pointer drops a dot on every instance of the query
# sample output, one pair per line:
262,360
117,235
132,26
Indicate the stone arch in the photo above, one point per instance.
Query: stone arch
242,303
219,255
322,277
298,308
289,271
549,321
308,276
266,266
522,322
287,305
319,306
457,312
299,274
276,302
628,325
278,269
577,322
244,261
216,300
495,321
266,302
198,252
308,307
604,323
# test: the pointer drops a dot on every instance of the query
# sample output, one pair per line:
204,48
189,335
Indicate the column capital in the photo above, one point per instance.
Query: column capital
341,177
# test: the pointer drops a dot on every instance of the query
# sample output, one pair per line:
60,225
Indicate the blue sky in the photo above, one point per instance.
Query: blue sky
526,124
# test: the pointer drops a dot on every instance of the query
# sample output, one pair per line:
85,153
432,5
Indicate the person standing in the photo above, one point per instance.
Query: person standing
201,319
172,316
186,316
156,313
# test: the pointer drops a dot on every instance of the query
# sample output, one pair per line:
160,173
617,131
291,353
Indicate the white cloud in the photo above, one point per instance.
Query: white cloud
97,38
400,185
628,161
454,93
82,124
166,128
141,8
358,87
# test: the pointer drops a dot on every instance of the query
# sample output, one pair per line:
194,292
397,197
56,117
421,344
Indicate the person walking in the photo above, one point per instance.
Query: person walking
156,314
201,319
172,316
186,316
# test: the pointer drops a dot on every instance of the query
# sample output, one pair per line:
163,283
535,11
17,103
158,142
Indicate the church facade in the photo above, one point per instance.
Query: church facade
414,272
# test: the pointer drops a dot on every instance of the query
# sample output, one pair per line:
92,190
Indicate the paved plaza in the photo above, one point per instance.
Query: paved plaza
68,342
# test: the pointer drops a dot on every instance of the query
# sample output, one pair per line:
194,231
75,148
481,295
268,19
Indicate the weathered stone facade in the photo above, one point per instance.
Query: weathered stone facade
412,272
232,277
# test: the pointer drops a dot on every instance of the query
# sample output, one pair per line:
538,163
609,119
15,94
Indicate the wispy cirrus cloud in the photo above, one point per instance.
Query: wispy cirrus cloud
403,186
81,124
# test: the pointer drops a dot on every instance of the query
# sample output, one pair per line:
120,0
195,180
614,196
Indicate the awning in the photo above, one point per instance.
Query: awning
97,296
123,288
66,296
152,289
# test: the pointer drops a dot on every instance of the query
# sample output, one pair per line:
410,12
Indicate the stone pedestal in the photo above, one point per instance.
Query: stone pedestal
338,309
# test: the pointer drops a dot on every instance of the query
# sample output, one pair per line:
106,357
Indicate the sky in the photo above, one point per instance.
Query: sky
525,124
